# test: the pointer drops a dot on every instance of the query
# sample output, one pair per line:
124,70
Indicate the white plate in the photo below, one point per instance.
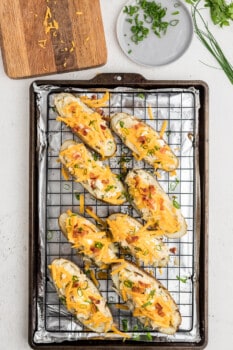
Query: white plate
154,51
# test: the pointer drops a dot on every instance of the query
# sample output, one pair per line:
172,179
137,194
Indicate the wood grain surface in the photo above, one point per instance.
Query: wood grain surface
51,36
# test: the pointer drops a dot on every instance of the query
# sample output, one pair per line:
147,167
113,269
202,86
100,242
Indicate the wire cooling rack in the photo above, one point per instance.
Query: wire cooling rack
179,109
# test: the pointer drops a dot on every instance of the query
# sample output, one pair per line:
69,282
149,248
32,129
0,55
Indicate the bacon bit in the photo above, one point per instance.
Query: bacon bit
162,150
137,289
107,119
93,184
94,300
84,132
161,201
75,284
76,155
159,309
99,111
94,97
145,285
105,182
173,250
137,126
95,249
75,129
142,139
152,189
78,233
93,176
103,127
131,239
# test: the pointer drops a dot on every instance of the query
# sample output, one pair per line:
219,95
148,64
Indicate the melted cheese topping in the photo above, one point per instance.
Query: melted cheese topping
79,298
147,144
84,168
153,205
141,242
88,240
148,299
90,126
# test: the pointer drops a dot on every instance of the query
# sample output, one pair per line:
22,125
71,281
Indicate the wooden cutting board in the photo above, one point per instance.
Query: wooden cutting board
40,37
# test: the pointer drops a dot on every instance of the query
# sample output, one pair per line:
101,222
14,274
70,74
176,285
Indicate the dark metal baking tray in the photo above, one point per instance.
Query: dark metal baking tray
136,82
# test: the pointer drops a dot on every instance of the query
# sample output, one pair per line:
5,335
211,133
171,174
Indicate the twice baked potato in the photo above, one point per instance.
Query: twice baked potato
94,175
154,205
144,141
86,123
80,296
147,247
146,297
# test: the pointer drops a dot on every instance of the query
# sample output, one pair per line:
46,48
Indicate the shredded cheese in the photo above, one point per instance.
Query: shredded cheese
49,23
95,216
163,128
115,330
92,275
150,112
81,203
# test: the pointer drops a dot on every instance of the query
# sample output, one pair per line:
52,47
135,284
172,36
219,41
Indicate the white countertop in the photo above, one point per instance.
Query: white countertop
14,177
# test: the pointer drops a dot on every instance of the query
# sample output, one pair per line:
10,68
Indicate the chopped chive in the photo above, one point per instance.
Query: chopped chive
49,235
121,124
77,196
148,336
182,279
175,203
125,325
175,13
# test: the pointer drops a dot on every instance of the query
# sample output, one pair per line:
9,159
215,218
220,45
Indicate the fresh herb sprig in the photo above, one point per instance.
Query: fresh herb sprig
221,13
208,40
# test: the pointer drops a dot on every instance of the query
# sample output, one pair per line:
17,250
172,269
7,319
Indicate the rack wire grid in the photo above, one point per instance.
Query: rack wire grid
178,109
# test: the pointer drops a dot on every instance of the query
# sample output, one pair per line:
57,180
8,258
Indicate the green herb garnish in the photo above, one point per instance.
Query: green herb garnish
175,203
99,245
109,188
173,185
141,95
124,325
182,279
148,303
211,44
77,196
121,124
148,336
128,283
75,278
49,235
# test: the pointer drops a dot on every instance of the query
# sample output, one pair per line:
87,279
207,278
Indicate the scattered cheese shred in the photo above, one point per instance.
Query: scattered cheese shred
79,13
42,43
65,173
49,23
81,203
92,275
94,216
150,112
115,330
121,306
163,128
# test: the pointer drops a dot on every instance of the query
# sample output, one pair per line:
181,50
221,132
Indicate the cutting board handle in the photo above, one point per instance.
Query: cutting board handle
116,79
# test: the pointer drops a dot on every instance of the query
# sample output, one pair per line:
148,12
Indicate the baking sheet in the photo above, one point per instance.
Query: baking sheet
180,107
